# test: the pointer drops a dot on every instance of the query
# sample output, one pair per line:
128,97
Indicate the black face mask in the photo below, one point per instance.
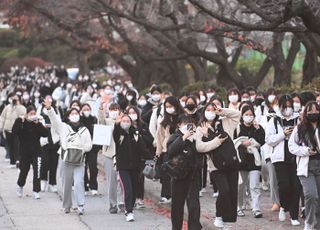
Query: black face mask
313,117
190,107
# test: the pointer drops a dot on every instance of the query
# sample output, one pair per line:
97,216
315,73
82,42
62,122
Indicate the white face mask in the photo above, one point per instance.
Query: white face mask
245,99
113,114
86,113
287,112
210,95
248,119
184,129
133,117
74,118
108,91
183,104
210,116
125,126
271,98
25,97
233,98
296,106
156,97
142,102
129,97
32,118
36,94
170,110
202,98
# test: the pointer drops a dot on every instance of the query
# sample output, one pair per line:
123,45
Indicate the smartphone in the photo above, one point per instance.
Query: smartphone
190,126
223,135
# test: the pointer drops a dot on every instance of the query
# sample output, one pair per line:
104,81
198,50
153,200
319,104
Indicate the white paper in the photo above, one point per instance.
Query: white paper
102,135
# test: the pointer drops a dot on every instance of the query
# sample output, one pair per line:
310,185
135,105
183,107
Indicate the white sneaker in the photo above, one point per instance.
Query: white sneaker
52,188
203,190
12,166
36,195
307,226
140,204
282,215
94,192
201,194
80,210
129,217
19,191
215,194
6,160
295,222
44,185
218,222
164,200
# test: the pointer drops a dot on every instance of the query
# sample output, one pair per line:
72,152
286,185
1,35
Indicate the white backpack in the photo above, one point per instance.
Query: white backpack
73,154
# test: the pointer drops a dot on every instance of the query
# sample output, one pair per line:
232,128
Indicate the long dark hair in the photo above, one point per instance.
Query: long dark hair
170,119
137,111
305,129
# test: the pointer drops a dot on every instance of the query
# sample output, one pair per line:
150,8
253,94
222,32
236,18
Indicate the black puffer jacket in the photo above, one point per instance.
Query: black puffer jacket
29,134
130,148
176,146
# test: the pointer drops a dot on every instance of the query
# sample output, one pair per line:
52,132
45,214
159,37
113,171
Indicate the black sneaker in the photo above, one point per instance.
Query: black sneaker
113,209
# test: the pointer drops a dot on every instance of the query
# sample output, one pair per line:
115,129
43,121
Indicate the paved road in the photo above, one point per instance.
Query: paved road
45,214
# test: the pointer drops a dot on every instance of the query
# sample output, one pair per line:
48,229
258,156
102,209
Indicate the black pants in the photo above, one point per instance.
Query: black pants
24,166
183,190
289,187
12,146
49,164
165,180
140,189
212,181
91,163
226,204
203,173
129,182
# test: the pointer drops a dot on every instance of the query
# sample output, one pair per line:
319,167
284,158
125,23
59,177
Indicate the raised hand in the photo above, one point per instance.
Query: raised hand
47,103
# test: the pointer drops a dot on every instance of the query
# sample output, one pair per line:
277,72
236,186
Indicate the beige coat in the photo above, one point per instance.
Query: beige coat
162,136
9,115
230,120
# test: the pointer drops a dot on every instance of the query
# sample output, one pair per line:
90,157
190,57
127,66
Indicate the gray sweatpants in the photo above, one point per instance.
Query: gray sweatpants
114,193
72,175
311,191
274,190
251,178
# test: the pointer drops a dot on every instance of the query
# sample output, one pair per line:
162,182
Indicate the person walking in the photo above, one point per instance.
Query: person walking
249,136
168,125
8,116
214,137
185,184
130,149
278,131
75,140
305,144
29,131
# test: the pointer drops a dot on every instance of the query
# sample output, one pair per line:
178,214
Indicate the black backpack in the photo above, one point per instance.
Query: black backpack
225,156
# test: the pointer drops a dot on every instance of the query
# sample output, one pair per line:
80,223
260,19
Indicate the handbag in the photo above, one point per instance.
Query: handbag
149,171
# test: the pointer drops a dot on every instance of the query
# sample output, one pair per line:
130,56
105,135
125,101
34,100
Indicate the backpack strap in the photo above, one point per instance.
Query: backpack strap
276,120
159,111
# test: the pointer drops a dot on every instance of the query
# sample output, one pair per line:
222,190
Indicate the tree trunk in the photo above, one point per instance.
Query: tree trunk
82,59
282,72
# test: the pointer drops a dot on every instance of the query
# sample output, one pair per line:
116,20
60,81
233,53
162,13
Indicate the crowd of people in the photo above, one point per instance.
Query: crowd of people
250,141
